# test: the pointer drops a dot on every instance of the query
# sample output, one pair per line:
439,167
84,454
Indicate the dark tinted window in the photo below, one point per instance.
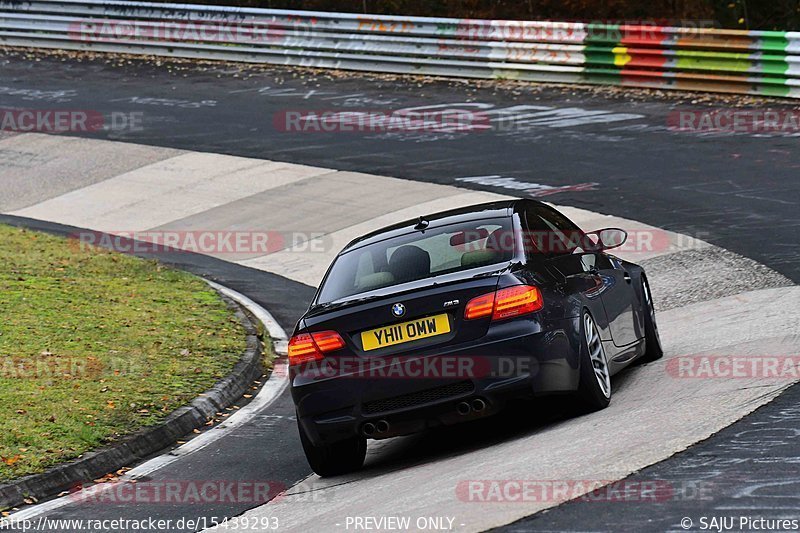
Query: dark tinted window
419,255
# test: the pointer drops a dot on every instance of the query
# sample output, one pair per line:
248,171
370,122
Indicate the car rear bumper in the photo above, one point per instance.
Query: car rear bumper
410,395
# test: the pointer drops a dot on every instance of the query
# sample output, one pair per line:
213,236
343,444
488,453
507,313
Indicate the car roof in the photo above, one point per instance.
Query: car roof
497,209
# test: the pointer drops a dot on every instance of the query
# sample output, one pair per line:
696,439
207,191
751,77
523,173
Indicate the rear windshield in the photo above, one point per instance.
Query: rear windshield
419,255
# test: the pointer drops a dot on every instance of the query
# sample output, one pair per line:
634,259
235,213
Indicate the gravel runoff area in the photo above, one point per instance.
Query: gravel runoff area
706,275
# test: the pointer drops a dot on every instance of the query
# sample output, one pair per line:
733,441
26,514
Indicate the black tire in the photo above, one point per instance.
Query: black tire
594,389
652,346
334,459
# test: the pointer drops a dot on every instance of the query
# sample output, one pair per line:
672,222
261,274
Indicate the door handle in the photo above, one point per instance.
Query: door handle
627,277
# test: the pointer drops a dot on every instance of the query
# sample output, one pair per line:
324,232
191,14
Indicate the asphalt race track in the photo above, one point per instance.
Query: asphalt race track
736,192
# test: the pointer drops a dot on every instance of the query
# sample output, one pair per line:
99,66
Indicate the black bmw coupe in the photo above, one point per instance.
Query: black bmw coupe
442,319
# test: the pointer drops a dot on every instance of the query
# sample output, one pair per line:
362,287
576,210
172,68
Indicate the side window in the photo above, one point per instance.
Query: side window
550,233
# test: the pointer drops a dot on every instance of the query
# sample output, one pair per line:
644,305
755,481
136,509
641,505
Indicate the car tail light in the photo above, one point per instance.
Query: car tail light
305,348
515,301
479,307
505,303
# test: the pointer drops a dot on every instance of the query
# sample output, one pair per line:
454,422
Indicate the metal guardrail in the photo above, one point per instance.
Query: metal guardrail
745,62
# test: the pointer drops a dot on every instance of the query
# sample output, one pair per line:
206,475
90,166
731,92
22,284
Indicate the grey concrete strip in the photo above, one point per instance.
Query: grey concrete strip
318,205
747,470
36,167
654,414
161,192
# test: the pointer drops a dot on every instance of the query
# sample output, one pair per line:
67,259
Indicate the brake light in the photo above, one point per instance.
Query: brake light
305,348
505,303
515,301
328,341
479,307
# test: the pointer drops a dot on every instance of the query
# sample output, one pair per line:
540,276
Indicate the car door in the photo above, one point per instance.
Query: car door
615,289
618,300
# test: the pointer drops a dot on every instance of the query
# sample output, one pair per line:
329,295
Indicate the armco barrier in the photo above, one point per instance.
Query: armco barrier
745,62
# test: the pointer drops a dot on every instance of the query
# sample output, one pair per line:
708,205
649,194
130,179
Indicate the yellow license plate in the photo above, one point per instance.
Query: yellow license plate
405,332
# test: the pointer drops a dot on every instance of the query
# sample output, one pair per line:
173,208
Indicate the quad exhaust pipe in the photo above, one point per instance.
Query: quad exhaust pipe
464,408
477,405
379,427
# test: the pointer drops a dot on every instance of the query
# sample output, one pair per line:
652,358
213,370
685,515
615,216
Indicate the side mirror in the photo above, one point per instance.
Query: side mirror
609,238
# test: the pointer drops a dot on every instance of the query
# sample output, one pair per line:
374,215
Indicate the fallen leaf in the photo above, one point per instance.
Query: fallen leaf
9,461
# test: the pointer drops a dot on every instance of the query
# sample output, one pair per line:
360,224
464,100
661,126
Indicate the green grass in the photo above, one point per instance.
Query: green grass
95,345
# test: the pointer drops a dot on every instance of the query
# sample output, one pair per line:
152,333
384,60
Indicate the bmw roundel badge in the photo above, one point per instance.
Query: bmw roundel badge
398,310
